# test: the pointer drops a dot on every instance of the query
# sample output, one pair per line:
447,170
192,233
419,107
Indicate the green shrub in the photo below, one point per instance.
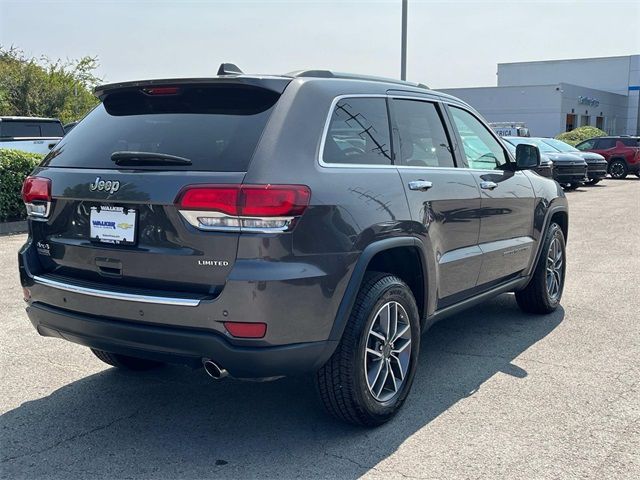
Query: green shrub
580,134
15,165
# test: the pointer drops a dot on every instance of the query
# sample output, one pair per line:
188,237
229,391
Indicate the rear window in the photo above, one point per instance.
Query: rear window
27,128
217,127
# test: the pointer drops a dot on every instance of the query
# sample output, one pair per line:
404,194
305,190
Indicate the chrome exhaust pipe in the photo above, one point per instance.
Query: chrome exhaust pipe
213,370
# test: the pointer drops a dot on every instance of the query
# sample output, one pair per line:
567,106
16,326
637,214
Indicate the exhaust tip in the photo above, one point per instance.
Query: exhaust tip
213,370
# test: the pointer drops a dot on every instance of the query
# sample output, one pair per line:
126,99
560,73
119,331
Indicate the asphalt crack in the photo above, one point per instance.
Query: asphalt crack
71,438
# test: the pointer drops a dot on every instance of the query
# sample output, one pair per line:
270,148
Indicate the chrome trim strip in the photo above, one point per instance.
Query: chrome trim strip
130,297
192,217
325,131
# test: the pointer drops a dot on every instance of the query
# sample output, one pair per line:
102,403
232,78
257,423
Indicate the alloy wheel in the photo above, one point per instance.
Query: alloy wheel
555,264
388,351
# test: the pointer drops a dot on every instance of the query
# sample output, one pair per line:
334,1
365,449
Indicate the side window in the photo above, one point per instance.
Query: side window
604,143
481,149
423,140
630,142
586,145
359,133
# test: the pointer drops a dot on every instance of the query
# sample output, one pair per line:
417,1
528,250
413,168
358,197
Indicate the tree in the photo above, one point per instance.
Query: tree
43,88
579,134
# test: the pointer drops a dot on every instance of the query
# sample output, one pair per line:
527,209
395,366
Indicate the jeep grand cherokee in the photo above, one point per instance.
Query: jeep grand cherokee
263,226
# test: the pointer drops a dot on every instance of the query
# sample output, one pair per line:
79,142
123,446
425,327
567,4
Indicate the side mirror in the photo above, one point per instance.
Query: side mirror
527,156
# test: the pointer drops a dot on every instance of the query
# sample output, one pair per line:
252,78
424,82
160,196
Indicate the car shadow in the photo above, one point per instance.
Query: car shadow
178,423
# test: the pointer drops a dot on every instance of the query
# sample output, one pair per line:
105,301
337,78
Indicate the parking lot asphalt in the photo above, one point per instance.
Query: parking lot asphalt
498,393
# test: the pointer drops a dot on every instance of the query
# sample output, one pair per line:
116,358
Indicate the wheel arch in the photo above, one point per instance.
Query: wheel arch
400,256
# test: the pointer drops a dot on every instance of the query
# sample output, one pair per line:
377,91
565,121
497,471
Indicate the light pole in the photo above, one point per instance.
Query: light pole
403,42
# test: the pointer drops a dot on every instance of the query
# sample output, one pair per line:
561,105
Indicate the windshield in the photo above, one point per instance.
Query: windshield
533,141
560,145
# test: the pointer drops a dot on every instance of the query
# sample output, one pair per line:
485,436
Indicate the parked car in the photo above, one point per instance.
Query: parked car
621,153
30,134
263,226
569,170
596,164
546,166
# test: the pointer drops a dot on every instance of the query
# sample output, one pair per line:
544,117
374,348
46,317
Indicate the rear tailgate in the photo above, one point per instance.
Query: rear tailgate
113,224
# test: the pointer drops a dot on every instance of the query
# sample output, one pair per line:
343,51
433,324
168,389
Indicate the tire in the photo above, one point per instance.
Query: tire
618,169
125,362
594,181
537,296
571,186
638,174
343,383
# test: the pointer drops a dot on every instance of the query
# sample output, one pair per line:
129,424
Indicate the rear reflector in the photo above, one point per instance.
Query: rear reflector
36,194
246,330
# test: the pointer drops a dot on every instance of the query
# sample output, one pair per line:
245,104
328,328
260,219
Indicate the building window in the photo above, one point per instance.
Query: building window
584,120
600,123
571,122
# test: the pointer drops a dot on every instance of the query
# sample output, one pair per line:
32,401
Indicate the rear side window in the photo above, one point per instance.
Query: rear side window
217,127
358,133
423,140
630,142
604,143
22,128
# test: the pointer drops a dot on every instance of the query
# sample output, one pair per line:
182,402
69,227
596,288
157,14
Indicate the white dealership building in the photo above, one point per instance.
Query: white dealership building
559,95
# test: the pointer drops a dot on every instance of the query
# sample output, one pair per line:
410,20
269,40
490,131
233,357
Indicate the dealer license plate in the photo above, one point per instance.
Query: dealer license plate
113,224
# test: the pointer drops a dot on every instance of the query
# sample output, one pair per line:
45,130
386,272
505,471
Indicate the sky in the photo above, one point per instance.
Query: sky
450,43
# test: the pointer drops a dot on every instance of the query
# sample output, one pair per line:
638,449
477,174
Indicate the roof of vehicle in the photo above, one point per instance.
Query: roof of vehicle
273,82
33,119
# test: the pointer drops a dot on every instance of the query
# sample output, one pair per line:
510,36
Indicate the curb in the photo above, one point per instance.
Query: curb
7,228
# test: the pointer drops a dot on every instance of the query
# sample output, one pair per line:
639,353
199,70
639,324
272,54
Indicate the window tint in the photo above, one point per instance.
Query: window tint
359,133
604,143
423,140
51,129
481,149
216,127
586,145
630,142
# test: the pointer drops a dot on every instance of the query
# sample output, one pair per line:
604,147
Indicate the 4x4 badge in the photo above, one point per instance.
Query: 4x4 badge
110,186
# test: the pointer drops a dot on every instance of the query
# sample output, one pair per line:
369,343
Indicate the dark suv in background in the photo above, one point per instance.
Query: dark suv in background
596,164
621,153
263,226
569,170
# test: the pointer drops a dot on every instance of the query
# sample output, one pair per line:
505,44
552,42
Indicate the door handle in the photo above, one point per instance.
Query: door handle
420,185
488,185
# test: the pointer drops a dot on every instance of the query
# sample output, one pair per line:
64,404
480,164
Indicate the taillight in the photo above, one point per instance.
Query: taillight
247,208
36,194
161,90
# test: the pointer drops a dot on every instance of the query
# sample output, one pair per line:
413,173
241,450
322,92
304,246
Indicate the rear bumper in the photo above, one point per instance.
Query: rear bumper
178,345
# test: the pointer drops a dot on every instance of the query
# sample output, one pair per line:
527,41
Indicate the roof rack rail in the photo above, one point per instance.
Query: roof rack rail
350,76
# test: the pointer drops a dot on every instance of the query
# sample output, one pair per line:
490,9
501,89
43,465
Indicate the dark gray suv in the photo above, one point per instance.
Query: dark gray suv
263,226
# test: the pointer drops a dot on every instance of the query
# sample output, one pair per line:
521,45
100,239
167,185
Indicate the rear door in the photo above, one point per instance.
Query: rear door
116,177
507,200
445,200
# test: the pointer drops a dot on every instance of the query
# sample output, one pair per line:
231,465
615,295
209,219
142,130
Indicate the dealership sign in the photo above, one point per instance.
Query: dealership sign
594,102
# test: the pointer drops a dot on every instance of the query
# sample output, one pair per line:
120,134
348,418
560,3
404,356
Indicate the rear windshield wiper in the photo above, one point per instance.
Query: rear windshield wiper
148,158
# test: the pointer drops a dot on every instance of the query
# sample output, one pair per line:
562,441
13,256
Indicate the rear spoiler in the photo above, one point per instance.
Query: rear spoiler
273,83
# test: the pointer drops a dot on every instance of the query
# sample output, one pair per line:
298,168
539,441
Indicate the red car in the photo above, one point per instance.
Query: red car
622,153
